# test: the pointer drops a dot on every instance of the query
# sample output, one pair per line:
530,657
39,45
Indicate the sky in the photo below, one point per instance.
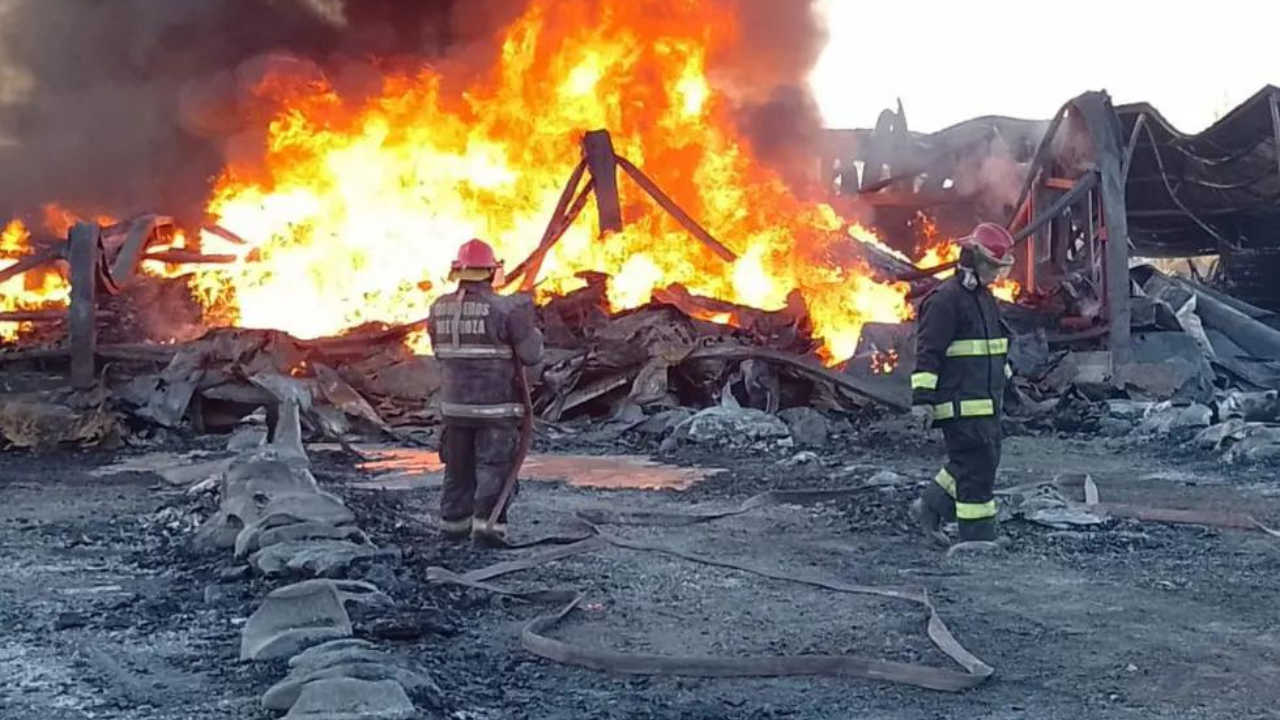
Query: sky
952,60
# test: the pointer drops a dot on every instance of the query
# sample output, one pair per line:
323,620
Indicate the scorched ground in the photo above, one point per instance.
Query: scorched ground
108,613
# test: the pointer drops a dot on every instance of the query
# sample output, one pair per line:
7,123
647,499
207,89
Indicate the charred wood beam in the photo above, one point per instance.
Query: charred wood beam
811,370
675,210
1081,189
18,316
567,196
225,234
124,353
185,257
567,210
51,314
602,162
33,261
533,264
141,231
85,240
358,343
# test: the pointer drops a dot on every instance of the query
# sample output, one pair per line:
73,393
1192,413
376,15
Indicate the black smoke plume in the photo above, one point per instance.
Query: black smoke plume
125,106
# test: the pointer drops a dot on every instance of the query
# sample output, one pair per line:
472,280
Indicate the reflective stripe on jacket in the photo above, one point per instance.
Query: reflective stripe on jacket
961,350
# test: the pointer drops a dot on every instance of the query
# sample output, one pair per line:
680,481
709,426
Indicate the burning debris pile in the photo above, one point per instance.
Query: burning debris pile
352,197
341,221
677,258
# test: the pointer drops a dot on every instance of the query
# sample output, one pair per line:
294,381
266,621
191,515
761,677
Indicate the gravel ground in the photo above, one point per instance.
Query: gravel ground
106,614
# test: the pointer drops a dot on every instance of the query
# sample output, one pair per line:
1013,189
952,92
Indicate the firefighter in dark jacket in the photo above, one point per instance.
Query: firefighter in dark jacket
958,386
483,342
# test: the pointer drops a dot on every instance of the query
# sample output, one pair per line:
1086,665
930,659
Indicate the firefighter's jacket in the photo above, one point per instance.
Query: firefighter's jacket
482,340
961,351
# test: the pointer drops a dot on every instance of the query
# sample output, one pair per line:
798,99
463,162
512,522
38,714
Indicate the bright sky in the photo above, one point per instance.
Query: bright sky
951,60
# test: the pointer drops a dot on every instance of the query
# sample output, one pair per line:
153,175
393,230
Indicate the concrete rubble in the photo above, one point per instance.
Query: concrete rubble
731,427
808,427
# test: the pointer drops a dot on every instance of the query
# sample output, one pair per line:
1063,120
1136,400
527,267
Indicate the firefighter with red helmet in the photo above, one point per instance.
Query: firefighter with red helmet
958,386
483,342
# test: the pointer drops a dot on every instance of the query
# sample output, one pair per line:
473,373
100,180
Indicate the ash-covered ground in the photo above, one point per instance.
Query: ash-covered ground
108,614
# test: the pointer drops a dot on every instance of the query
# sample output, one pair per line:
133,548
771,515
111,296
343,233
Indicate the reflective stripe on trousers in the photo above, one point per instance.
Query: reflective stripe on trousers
482,412
470,352
964,510
456,526
924,381
975,511
968,408
978,348
947,482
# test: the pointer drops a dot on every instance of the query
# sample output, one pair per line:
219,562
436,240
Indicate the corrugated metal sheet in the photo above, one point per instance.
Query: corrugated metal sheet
1201,193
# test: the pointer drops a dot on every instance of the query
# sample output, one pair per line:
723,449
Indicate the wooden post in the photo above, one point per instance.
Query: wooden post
83,258
597,146
665,201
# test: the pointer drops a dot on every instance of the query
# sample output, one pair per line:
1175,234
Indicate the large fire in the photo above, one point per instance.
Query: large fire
359,206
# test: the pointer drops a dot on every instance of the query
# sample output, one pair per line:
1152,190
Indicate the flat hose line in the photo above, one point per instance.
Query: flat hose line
535,640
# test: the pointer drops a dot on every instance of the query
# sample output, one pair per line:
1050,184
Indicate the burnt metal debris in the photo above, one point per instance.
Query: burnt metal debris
1103,186
1084,193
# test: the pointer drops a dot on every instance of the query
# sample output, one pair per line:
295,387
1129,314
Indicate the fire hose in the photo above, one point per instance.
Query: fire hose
522,448
534,637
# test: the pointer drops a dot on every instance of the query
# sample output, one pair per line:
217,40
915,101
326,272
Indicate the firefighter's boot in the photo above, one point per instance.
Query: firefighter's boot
488,535
929,522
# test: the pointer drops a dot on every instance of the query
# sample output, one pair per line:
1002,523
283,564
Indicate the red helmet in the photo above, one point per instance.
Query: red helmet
992,242
475,254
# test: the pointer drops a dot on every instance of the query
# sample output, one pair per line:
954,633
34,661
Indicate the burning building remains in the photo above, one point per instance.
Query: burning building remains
233,218
667,202
342,207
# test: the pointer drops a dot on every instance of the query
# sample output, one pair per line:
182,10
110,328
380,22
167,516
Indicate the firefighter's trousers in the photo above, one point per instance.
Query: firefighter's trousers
964,489
478,456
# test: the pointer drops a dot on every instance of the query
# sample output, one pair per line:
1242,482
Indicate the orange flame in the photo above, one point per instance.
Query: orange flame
942,253
884,363
360,204
42,288
947,251
58,219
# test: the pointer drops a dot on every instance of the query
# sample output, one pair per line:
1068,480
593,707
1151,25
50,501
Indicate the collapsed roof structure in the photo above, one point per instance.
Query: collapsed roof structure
1211,192
1099,184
